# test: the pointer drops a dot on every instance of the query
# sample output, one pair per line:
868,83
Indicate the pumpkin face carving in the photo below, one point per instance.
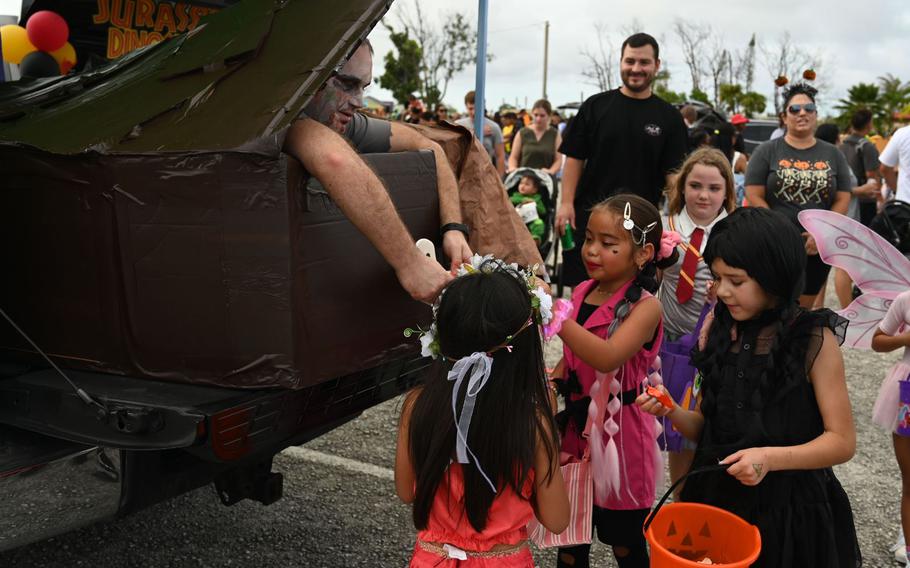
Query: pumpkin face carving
689,547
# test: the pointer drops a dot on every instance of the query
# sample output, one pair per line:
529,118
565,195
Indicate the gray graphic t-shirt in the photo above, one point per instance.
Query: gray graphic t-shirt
796,179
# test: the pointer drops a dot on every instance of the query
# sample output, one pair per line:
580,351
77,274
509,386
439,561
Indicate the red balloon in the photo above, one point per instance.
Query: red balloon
47,30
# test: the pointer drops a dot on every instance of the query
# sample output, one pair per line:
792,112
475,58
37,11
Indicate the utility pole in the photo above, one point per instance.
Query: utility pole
480,87
546,54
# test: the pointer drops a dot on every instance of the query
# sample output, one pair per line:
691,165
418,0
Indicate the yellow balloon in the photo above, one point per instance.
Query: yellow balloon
15,43
67,54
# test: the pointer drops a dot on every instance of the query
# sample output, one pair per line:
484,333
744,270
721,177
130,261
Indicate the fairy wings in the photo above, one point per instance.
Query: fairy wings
878,269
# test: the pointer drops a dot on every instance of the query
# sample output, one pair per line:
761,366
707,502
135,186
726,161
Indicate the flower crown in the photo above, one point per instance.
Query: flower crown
541,302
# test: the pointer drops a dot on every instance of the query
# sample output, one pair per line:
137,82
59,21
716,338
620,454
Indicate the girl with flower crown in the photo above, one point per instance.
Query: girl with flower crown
478,453
609,348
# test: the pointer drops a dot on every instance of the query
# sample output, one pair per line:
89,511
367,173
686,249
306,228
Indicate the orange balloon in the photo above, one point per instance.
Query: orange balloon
65,57
15,43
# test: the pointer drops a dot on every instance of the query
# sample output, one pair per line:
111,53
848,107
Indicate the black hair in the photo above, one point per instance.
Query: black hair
640,39
535,180
829,132
769,247
861,118
722,138
478,313
799,89
643,213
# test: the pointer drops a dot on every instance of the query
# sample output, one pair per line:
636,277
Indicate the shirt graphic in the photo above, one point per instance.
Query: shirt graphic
803,182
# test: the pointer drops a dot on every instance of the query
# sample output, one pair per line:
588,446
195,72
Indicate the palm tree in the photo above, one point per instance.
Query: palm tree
861,95
895,95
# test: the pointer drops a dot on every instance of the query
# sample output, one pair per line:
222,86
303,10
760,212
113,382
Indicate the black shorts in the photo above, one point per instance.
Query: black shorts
816,275
620,527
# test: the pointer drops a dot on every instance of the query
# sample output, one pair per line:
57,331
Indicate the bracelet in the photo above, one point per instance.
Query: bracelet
461,227
562,310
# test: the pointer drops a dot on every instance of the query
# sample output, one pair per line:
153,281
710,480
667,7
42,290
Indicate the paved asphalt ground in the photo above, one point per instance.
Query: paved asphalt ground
339,508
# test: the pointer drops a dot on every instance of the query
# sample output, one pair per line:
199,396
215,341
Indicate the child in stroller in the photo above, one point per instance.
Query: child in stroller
531,192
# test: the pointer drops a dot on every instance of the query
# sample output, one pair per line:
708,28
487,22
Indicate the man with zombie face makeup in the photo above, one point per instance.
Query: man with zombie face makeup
316,141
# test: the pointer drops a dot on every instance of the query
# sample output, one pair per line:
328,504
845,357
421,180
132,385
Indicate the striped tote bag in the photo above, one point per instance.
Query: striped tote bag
580,488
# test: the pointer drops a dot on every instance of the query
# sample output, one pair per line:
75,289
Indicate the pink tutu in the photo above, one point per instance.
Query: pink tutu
884,413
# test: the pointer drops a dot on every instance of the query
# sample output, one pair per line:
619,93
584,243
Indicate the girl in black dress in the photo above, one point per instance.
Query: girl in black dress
773,399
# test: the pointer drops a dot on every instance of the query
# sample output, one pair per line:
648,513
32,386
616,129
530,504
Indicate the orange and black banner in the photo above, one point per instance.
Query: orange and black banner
106,29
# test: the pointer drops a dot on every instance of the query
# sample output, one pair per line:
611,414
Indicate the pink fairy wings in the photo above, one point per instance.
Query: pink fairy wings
864,314
879,270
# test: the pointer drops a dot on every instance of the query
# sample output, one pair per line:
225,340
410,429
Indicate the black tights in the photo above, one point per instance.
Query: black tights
635,556
621,529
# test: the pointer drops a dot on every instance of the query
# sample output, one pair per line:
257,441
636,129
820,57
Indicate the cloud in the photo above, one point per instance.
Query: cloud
859,41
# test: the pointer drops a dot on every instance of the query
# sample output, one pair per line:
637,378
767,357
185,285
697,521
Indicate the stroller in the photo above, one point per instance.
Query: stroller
548,194
893,224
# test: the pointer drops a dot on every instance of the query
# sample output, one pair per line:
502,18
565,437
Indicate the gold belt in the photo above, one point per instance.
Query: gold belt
444,550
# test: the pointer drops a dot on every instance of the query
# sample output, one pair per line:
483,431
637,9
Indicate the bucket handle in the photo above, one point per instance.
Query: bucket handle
696,471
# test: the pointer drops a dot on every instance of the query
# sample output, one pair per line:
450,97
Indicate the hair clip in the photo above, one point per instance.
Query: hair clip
628,224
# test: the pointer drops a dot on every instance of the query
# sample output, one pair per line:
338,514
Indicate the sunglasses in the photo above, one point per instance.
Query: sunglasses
810,108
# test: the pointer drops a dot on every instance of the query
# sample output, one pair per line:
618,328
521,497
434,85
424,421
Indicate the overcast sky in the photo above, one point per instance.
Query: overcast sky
859,41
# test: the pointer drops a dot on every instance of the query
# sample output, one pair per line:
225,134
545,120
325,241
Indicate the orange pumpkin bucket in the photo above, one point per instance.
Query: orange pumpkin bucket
685,534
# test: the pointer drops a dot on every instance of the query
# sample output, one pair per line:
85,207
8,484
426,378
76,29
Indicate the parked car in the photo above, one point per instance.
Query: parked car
758,130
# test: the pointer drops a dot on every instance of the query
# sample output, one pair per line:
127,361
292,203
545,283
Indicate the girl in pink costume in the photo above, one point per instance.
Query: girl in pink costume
892,333
608,351
478,454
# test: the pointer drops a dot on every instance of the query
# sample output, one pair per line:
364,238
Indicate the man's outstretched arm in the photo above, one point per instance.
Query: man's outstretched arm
454,243
359,193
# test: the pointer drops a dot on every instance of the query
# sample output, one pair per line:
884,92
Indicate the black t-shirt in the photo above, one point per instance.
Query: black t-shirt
739,144
629,145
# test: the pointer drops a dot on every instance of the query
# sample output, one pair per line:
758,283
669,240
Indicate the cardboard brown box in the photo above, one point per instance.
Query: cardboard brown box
203,267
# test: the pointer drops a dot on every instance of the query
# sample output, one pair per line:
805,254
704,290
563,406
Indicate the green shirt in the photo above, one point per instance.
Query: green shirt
537,153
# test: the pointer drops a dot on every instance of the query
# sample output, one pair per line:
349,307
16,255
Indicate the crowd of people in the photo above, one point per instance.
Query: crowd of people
689,241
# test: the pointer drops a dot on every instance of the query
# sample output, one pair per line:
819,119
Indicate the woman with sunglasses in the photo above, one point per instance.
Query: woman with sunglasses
798,171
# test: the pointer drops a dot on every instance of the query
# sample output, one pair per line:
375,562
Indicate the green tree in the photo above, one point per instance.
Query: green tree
735,99
861,95
699,95
753,103
894,97
662,88
444,50
731,97
402,73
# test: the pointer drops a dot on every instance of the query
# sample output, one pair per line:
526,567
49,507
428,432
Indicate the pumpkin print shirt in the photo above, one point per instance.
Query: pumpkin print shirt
796,179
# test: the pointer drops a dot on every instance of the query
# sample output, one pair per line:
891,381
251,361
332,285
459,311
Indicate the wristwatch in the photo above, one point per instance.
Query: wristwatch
454,227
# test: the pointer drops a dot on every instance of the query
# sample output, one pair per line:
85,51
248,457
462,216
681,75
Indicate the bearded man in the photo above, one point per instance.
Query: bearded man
627,140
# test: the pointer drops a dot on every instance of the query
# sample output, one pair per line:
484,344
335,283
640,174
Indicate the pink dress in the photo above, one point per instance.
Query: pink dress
885,411
637,434
448,524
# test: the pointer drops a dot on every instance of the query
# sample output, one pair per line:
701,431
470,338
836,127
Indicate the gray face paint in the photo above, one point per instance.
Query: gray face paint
335,104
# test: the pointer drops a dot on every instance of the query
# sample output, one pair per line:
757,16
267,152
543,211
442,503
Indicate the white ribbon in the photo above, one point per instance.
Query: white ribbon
479,365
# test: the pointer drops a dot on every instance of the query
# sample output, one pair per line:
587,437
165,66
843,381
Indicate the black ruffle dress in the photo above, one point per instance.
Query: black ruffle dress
804,517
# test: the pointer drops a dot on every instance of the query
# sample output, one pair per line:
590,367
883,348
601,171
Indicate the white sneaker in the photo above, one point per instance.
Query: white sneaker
900,549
